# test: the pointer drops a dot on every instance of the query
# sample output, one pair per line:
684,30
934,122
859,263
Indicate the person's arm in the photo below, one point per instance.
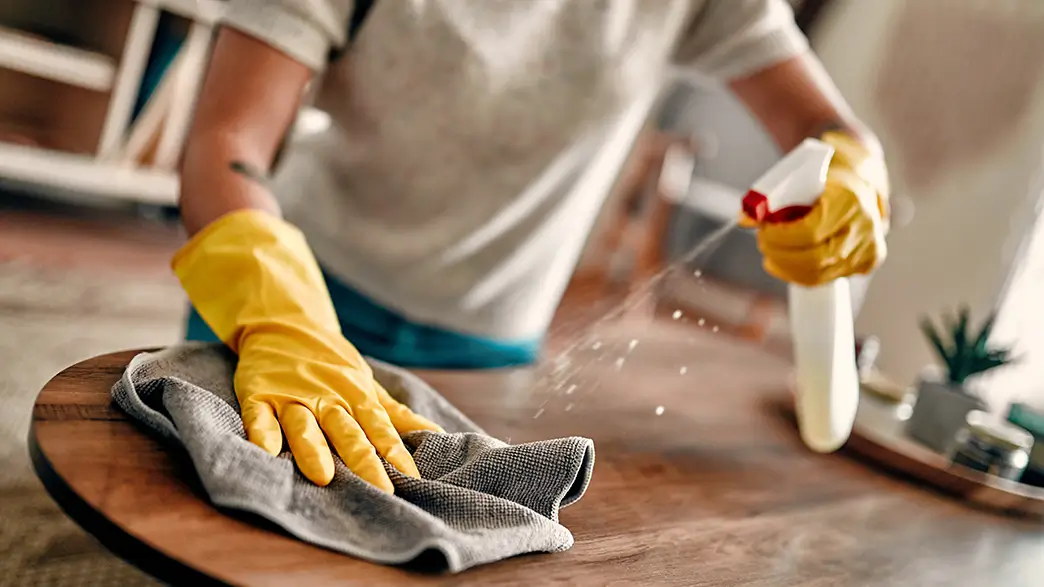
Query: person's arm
757,50
249,100
796,99
265,54
253,277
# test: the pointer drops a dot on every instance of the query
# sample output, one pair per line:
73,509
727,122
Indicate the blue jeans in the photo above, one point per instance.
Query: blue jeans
385,335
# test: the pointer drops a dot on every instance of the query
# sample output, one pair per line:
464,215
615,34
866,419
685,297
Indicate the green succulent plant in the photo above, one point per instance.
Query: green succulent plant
965,353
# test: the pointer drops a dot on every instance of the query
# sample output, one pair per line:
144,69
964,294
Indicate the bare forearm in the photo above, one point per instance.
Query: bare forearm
218,178
797,99
248,104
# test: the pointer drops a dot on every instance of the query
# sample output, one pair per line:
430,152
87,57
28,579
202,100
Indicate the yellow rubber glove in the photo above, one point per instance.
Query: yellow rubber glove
844,234
253,279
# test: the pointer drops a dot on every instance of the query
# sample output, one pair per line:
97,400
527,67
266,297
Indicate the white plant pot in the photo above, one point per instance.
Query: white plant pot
939,413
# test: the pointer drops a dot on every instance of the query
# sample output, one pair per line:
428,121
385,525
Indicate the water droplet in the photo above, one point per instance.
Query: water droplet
683,370
715,329
619,363
569,407
570,389
632,344
538,414
597,345
659,410
677,314
701,322
697,273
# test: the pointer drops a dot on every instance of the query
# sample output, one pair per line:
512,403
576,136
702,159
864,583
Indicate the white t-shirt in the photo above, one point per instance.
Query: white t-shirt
473,142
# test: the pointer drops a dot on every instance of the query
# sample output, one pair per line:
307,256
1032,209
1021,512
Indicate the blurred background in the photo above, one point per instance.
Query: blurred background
96,97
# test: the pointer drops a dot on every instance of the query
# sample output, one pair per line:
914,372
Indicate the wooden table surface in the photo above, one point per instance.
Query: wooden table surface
715,490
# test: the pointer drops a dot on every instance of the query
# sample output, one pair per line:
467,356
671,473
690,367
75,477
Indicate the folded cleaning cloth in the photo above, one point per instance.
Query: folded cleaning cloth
479,500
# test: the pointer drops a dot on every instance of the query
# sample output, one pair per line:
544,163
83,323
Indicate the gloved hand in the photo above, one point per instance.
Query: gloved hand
253,279
844,234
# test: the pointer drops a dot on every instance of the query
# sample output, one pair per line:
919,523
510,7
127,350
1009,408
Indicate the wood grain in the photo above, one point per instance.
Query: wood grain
716,491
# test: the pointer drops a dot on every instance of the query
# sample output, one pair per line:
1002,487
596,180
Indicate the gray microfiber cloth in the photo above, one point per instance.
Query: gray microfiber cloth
479,500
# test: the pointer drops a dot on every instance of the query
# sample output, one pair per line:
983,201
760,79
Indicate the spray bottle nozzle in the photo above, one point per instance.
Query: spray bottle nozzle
788,190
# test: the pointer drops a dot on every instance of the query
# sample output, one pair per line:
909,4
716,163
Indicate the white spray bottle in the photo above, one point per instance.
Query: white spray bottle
820,317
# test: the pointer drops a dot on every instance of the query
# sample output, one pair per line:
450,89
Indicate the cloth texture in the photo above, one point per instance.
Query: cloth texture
388,336
479,500
488,131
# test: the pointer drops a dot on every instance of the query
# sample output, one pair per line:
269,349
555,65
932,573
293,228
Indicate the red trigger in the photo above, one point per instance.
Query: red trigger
756,207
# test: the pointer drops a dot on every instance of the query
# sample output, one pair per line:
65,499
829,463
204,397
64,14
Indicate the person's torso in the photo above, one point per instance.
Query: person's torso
453,183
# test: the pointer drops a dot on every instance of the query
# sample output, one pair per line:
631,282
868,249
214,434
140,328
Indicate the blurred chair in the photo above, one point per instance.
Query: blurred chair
134,158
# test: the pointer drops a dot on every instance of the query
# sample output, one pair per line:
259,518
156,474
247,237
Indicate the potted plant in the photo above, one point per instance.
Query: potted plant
944,402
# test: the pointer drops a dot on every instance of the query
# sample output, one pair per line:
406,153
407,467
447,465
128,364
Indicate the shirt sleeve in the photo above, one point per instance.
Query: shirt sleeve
729,39
306,30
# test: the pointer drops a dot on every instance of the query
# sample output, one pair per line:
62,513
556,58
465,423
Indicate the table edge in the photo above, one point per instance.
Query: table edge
123,544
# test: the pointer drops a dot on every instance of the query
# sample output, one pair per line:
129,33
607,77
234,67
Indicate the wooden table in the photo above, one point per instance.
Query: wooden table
716,490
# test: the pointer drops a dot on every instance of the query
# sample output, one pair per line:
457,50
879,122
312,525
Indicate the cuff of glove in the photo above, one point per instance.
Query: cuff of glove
243,226
248,267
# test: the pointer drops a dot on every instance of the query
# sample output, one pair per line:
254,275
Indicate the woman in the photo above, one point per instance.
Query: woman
472,143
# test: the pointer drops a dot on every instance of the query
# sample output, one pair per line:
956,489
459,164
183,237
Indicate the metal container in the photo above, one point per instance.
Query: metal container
1032,419
991,445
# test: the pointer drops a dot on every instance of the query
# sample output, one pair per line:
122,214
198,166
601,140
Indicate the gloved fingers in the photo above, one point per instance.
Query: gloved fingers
803,266
837,271
383,436
869,255
844,185
806,276
744,221
354,448
833,213
840,257
800,274
403,418
262,427
307,442
862,266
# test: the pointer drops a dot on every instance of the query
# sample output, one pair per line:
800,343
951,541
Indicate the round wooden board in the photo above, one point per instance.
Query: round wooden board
880,437
712,490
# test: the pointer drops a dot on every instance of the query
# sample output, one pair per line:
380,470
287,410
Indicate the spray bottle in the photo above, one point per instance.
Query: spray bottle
820,317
